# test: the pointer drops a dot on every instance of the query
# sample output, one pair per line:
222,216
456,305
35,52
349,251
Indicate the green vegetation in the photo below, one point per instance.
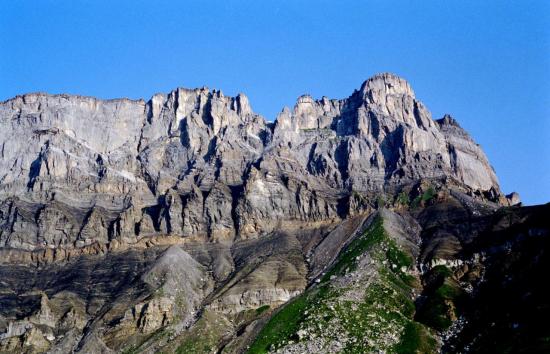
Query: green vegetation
442,297
441,271
285,323
436,314
415,339
262,309
282,325
347,260
399,262
403,199
447,291
428,195
380,202
385,308
398,257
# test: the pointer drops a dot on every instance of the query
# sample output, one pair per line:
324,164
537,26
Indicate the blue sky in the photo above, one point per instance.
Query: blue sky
487,63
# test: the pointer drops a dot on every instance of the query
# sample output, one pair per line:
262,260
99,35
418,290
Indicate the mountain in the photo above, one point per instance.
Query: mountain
190,224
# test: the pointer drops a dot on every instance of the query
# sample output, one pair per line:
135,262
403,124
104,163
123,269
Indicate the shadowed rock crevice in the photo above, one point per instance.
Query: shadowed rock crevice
391,149
341,155
36,165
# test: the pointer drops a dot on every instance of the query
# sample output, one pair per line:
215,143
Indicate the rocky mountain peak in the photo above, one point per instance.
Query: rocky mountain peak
447,120
147,163
242,106
385,84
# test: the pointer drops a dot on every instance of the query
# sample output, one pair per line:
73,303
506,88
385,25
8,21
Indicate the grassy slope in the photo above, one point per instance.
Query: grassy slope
381,319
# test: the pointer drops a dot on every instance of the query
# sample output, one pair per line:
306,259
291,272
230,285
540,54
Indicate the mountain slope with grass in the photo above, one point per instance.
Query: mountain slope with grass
189,224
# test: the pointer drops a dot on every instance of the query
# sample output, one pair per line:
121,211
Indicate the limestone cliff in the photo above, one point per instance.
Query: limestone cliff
75,171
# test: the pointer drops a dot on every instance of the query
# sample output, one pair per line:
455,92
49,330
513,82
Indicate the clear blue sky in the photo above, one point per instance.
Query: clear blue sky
485,62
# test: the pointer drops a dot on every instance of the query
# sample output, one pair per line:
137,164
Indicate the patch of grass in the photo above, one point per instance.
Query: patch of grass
448,292
387,305
439,309
386,308
435,315
379,312
380,202
347,260
398,260
416,202
429,194
283,325
262,309
397,256
403,199
441,271
415,339
400,289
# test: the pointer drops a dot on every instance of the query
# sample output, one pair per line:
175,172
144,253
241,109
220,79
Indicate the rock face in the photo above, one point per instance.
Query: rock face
190,224
75,171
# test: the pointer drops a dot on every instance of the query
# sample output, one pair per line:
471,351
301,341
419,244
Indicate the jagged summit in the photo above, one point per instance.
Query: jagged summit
386,83
199,146
372,90
447,119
